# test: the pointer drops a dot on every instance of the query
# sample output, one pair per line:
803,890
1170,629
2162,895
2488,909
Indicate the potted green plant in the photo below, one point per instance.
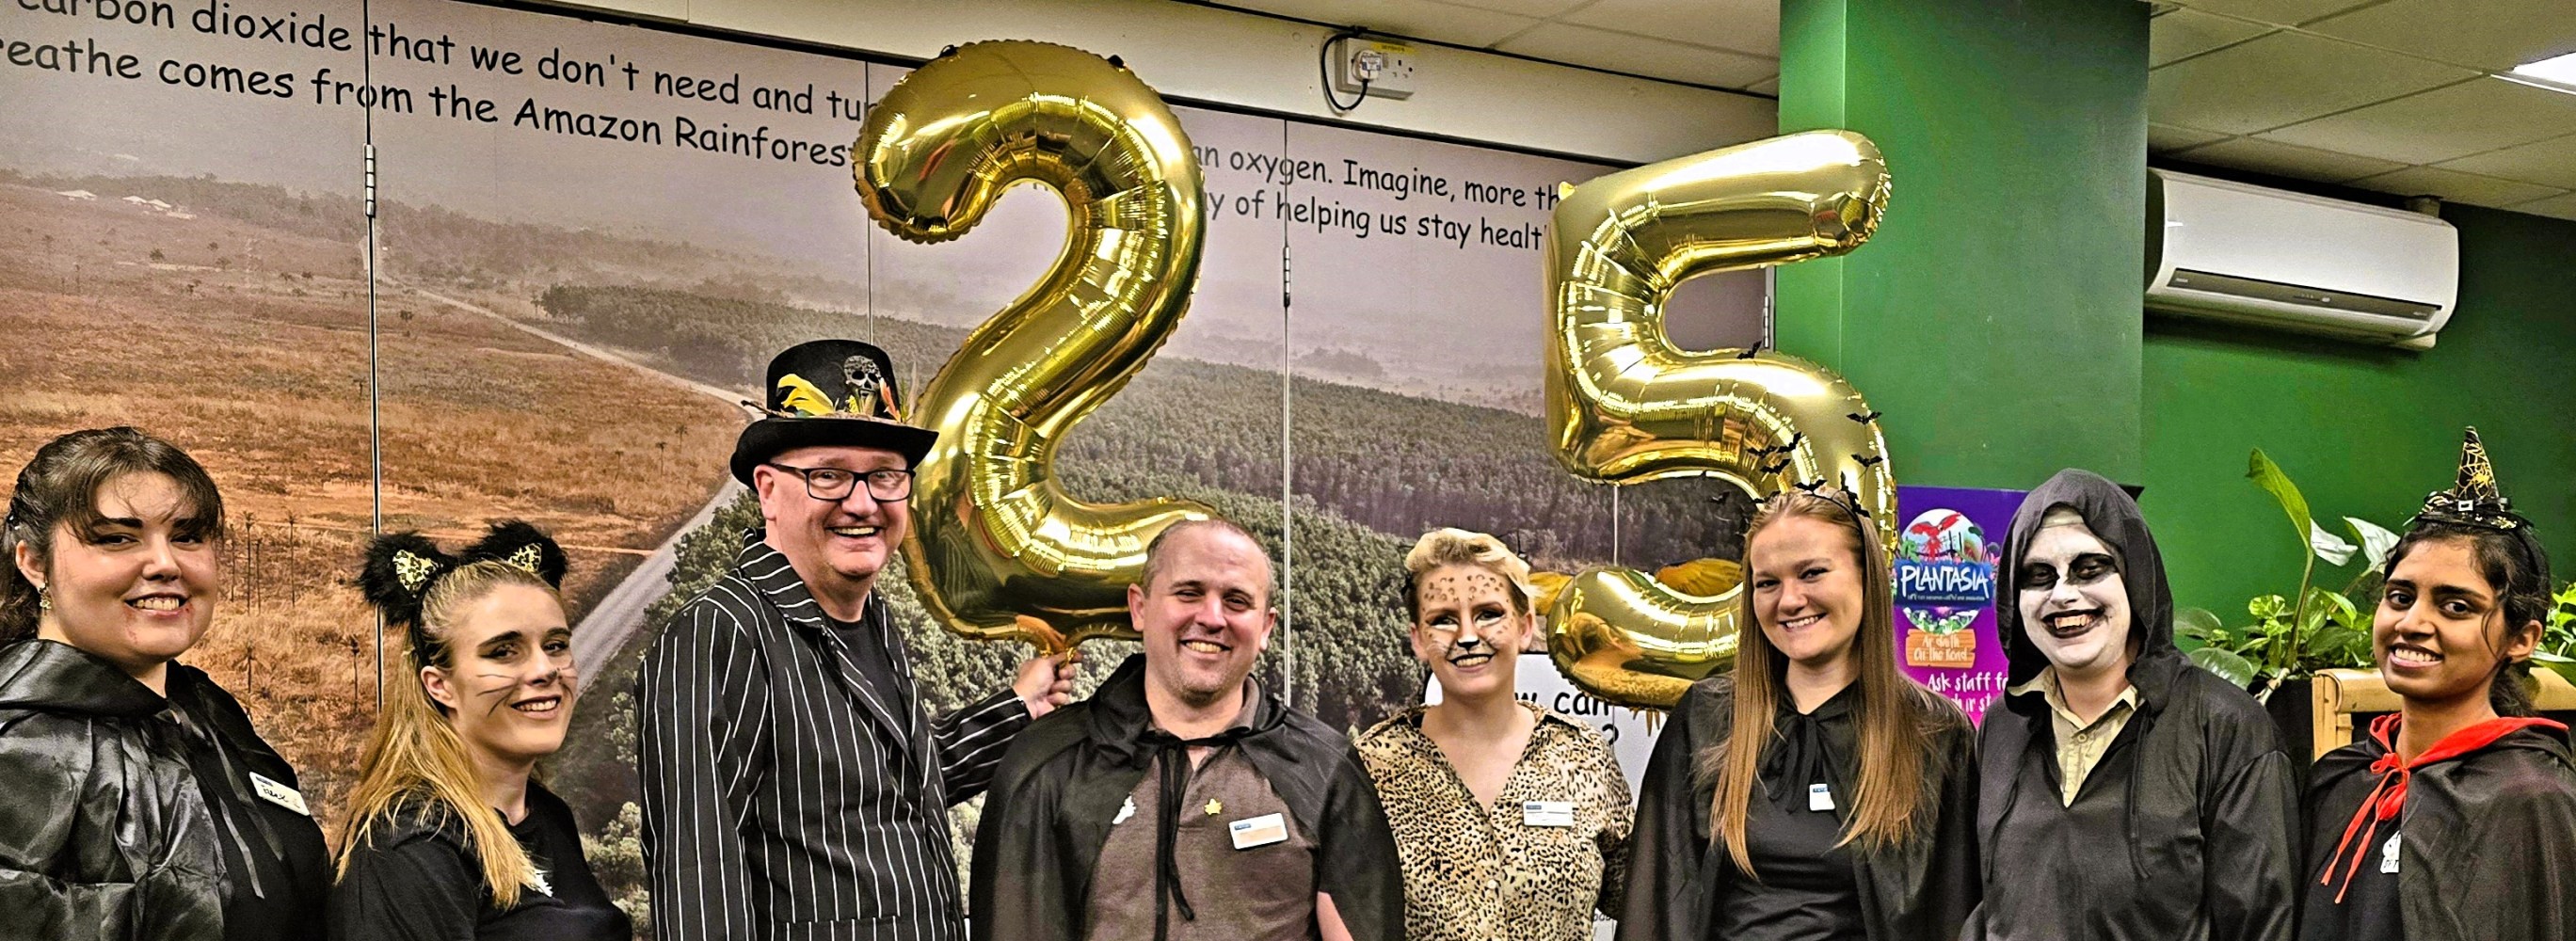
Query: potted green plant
2288,638
2557,650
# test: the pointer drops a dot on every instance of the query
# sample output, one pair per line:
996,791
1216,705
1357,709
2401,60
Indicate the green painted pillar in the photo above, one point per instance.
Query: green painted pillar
1995,317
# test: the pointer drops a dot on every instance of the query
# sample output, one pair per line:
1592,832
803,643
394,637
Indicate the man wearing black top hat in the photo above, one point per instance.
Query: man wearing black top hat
793,786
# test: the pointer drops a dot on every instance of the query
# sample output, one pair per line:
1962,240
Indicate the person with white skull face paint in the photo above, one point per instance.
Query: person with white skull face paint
2126,793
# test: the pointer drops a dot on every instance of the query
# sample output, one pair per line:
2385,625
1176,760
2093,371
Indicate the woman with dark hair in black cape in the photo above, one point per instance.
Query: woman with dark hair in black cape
141,803
2455,818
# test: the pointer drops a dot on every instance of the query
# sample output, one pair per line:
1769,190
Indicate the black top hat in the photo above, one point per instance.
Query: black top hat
830,392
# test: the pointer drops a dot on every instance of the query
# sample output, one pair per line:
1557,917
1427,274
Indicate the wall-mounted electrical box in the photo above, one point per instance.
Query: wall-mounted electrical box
1387,66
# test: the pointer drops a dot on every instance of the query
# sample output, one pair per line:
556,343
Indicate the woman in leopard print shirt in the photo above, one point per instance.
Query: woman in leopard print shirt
1511,820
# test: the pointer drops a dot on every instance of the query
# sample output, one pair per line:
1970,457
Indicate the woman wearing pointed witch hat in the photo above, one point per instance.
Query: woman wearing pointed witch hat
2455,818
449,836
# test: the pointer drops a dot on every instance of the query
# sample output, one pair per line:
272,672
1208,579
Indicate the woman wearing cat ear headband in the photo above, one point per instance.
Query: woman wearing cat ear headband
448,834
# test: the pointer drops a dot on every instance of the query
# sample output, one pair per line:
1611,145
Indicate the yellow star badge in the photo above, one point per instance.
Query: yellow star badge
1215,807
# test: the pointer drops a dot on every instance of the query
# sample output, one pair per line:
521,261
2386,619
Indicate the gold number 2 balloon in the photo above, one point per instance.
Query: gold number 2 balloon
998,550
1625,405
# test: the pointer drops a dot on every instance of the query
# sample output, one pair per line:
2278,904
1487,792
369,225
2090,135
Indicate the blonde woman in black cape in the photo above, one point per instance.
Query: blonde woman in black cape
141,804
1852,815
449,836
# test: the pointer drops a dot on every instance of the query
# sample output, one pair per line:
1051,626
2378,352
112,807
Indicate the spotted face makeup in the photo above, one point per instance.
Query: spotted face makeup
2074,602
1466,629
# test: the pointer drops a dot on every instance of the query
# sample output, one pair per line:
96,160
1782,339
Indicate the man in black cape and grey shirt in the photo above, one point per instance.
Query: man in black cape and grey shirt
1181,802
793,786
2127,793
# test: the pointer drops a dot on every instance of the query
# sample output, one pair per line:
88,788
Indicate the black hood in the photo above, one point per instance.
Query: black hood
2114,517
50,676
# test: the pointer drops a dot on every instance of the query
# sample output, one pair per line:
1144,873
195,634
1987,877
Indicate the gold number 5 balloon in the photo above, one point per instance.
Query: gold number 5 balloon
998,550
1624,405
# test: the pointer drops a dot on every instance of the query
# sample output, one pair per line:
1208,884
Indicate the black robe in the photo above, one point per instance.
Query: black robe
1062,783
131,817
1918,891
2488,848
2188,826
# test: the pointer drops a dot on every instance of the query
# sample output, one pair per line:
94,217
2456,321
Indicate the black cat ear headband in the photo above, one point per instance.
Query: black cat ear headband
402,567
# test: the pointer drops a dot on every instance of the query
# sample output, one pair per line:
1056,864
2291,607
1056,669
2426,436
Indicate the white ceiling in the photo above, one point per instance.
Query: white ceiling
2395,96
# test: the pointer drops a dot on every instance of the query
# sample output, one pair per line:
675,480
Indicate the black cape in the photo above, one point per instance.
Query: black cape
1923,889
2187,829
2489,838
108,835
1049,811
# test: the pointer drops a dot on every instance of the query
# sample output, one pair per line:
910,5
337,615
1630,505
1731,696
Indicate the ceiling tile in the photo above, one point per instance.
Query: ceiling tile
2189,32
2304,163
2284,12
2446,123
1421,19
1638,55
2488,34
2282,79
2163,138
2563,207
2551,162
1747,26
2457,187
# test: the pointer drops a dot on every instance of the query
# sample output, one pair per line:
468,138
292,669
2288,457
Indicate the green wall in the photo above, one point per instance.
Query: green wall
2365,431
1994,317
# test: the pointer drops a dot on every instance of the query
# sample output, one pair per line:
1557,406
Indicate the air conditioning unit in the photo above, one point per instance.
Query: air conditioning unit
2289,261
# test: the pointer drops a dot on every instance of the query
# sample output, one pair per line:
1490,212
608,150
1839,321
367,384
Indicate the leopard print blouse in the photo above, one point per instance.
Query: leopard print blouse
1471,874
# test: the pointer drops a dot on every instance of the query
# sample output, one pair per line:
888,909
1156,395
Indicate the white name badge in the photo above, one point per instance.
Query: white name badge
1547,813
278,794
2388,854
1819,797
1258,831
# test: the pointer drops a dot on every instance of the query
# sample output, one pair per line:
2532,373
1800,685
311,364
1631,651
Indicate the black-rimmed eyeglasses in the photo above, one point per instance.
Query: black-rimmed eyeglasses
885,485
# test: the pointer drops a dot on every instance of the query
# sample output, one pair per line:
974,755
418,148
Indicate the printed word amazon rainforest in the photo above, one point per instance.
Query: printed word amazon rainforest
758,143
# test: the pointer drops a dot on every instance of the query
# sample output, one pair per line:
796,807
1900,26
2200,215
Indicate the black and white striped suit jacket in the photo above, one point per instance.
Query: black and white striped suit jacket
787,797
